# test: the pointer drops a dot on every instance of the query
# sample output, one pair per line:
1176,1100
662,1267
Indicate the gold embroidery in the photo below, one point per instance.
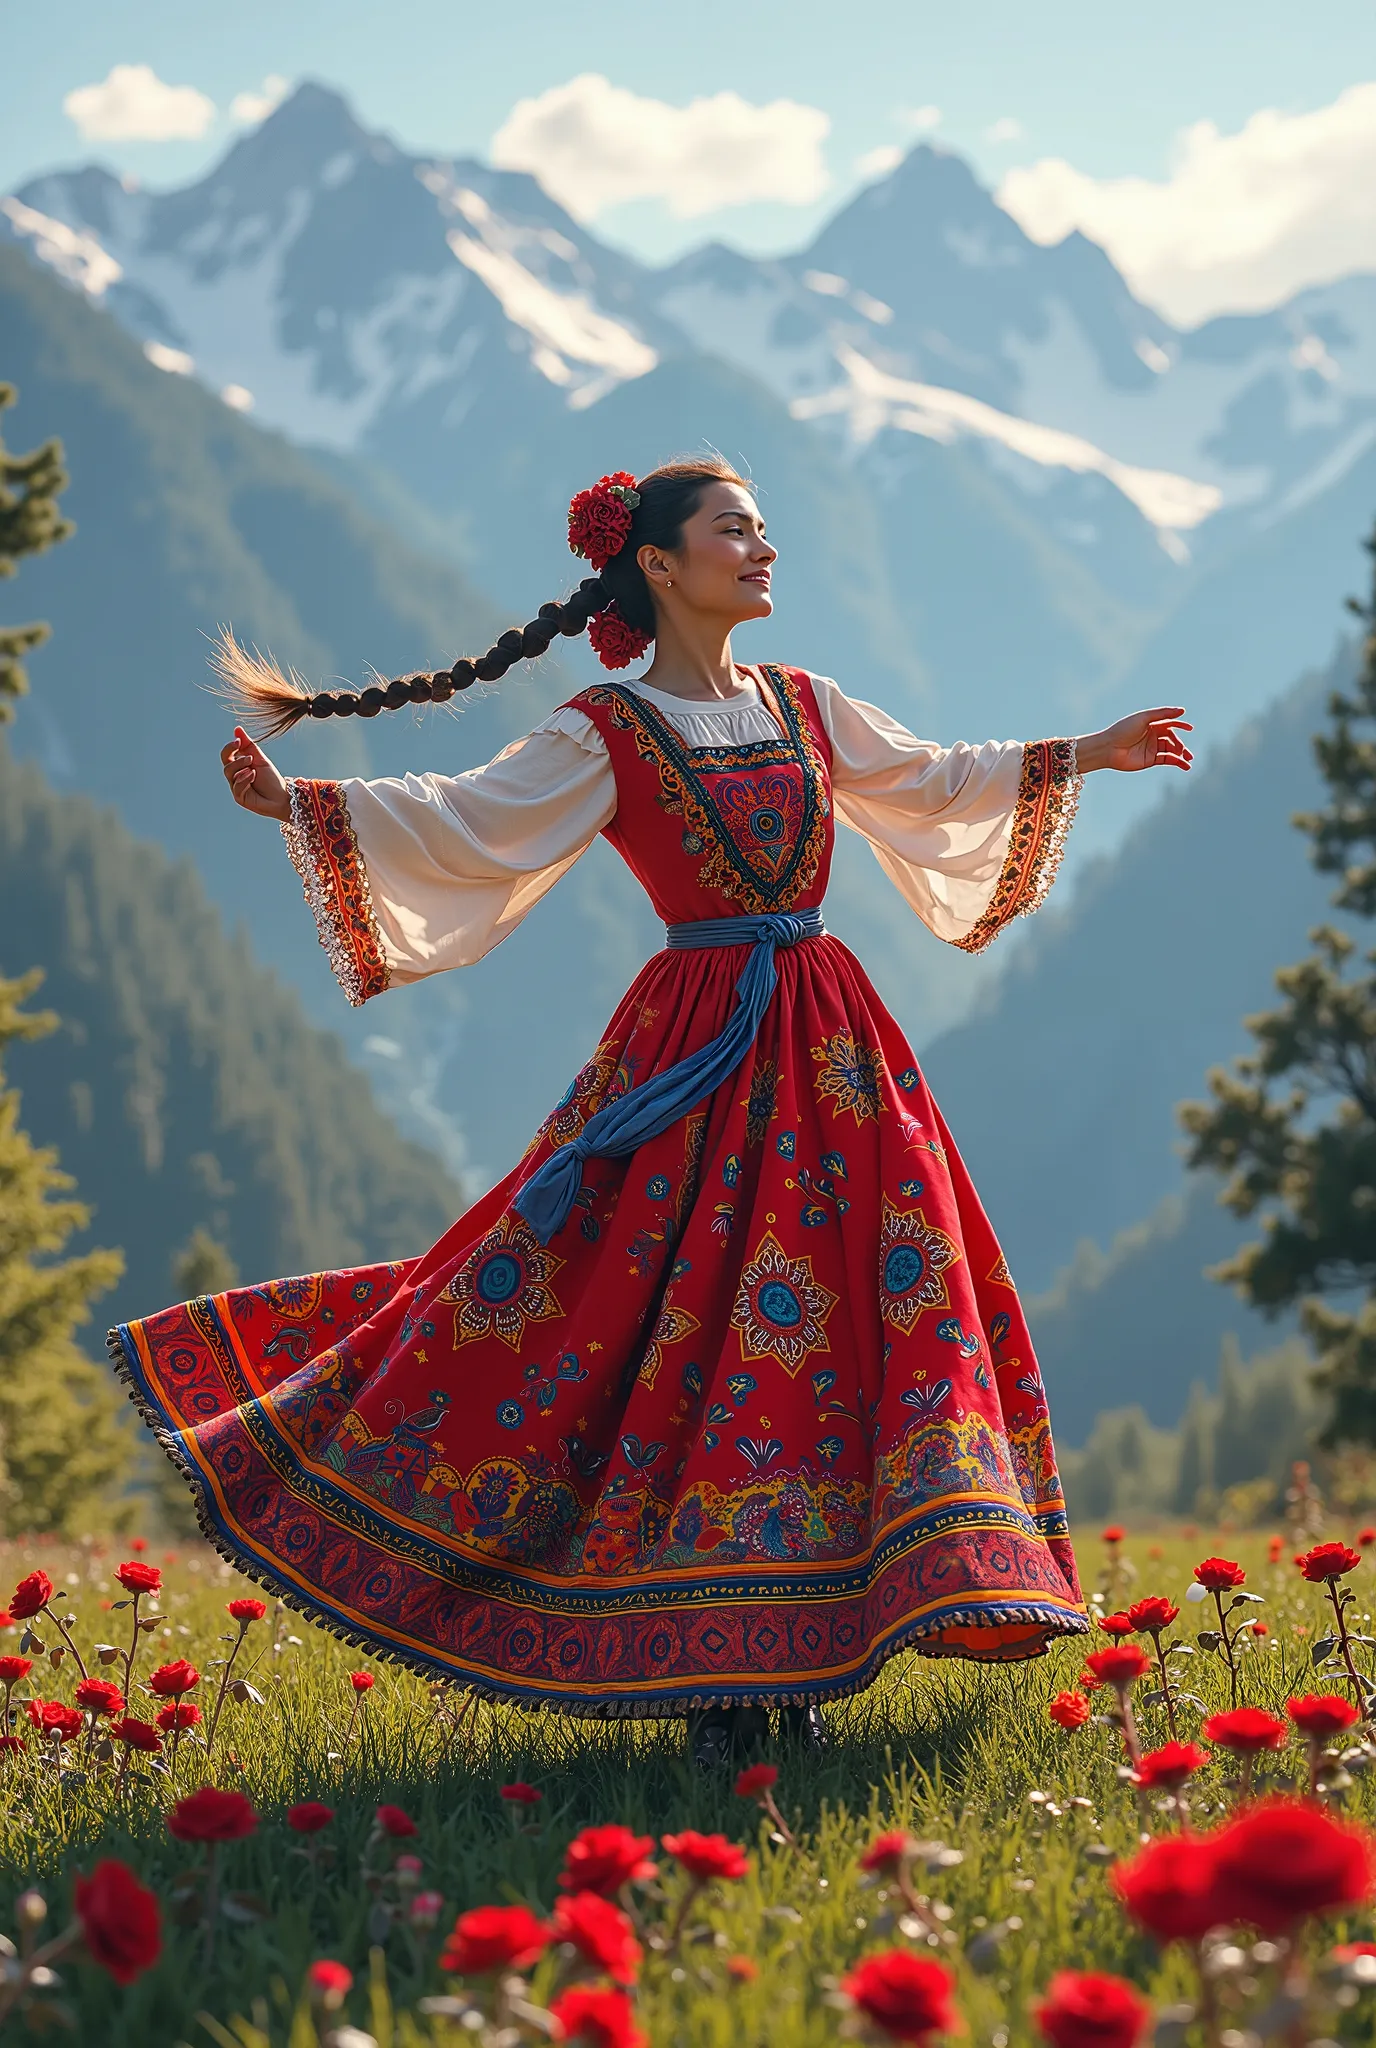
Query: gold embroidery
324,851
1047,796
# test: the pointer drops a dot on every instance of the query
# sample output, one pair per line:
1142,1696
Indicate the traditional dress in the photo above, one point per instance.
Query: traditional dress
759,1408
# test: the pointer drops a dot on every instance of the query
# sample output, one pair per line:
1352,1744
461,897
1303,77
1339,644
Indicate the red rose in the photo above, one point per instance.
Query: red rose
1171,1888
54,1717
330,1983
1116,1625
603,1859
1246,1730
494,1938
599,2019
1069,1710
615,643
395,1821
1091,2011
247,1610
888,1854
212,1816
178,1714
309,1817
600,518
99,1696
13,1669
521,1795
120,1921
1170,1765
601,1933
1284,1860
1217,1574
706,1856
139,1578
758,1778
907,1997
1114,1533
1321,1716
31,1596
1151,1615
136,1735
1118,1666
170,1681
1328,1561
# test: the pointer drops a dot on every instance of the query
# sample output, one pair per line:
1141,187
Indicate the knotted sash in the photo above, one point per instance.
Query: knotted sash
619,1128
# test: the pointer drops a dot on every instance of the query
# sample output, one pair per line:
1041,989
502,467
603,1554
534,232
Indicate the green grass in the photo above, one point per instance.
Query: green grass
950,1751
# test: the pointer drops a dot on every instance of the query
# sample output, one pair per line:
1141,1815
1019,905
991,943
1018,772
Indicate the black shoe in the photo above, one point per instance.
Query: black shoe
803,1728
720,1736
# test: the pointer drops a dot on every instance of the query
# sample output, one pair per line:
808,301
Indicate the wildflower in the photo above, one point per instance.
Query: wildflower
1118,1666
407,1869
597,2018
1328,1561
395,1821
425,1909
494,1938
212,1816
1274,1548
121,1923
1321,1716
1247,1730
330,1983
9,1744
1218,1574
601,1933
362,1681
176,1715
1366,1537
602,1859
1114,1533
309,1817
13,1669
139,1578
757,1779
138,1543
1116,1625
888,1854
519,1794
1258,1628
1069,1710
1169,1766
99,1696
170,1681
1151,1615
136,1734
907,1997
31,1596
1283,1861
1091,2011
743,1968
246,1610
706,1856
55,1717
1170,1888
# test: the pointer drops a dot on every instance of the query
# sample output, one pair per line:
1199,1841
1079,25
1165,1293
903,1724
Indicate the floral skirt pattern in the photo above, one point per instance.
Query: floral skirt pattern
763,1413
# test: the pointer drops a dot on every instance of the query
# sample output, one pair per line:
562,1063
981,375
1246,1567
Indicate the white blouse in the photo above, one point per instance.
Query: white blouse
450,864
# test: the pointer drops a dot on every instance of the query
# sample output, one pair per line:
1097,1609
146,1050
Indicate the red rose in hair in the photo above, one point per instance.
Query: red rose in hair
120,1921
494,1938
1171,1888
212,1816
55,1717
170,1681
907,1997
706,1856
1283,1861
1118,1666
178,1714
600,519
31,1595
1151,1615
1091,2011
99,1696
1170,1765
1217,1574
1116,1625
598,2019
139,1578
13,1669
395,1821
888,1853
136,1734
601,1933
309,1817
1328,1561
1069,1710
247,1610
1246,1729
1321,1716
615,643
603,1859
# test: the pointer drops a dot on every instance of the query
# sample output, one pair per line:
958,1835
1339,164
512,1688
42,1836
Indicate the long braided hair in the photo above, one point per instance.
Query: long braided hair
616,602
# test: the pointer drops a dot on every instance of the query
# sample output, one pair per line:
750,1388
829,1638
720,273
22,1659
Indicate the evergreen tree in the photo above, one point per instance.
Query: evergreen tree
59,1417
1304,1161
202,1266
29,522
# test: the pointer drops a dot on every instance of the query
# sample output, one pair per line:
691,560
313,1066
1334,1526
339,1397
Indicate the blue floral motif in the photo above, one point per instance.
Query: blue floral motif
510,1414
657,1187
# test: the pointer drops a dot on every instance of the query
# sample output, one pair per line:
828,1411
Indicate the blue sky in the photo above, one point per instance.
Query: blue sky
1106,89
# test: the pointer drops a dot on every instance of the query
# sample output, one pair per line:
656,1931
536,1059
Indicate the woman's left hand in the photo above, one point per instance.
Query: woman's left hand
1144,739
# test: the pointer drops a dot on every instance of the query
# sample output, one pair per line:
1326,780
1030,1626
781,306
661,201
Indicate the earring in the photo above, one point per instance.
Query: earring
668,583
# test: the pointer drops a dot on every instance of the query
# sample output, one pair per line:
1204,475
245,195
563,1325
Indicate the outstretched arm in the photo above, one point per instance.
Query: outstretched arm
1144,739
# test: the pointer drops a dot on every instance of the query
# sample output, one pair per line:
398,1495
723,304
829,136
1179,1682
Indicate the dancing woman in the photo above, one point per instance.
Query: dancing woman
724,1394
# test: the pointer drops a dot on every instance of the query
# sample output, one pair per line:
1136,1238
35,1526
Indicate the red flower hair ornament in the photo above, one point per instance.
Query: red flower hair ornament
599,524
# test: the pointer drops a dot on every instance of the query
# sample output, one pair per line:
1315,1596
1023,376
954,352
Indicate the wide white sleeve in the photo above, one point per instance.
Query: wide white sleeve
407,876
970,836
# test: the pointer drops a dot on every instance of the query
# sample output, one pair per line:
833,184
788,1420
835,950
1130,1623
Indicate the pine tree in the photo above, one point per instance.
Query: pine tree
1304,1161
29,522
60,1432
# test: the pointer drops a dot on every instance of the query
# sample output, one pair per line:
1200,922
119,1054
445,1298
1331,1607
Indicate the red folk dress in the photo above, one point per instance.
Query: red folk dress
763,1413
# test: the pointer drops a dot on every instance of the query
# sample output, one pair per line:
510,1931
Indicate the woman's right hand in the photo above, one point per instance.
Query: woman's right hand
252,779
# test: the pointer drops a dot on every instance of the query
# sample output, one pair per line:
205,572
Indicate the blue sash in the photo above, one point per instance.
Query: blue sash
619,1128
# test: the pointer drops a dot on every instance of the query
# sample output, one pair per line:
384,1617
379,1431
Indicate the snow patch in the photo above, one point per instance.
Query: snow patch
74,253
563,323
175,360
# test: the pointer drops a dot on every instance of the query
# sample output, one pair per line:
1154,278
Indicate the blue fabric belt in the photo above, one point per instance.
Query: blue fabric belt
547,1199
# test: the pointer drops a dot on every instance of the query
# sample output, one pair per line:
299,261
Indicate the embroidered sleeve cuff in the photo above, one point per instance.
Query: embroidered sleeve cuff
324,851
1047,796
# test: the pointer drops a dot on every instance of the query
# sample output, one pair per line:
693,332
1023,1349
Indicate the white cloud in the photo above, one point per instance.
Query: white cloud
921,120
877,163
593,144
252,107
1006,130
1243,220
134,105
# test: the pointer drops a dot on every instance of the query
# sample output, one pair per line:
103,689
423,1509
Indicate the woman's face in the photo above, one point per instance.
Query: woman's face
722,565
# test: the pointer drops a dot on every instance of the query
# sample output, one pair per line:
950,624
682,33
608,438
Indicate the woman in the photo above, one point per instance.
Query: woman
724,1394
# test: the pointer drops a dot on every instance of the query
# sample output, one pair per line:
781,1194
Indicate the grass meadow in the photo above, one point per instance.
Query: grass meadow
960,1756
